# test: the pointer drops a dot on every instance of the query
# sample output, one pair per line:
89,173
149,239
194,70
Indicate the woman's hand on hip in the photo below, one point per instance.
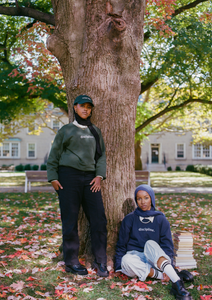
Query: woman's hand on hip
56,185
96,184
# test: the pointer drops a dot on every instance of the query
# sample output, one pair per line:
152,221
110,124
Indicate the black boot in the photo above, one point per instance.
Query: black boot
76,269
179,291
185,275
101,269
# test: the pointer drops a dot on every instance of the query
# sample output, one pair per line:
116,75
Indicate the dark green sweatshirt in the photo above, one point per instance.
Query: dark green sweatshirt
75,147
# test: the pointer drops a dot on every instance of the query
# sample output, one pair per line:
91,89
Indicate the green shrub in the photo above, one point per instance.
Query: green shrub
27,167
177,168
197,168
190,168
35,167
19,167
43,167
169,168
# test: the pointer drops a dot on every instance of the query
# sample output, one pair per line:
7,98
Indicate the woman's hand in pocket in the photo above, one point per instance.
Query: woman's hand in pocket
56,185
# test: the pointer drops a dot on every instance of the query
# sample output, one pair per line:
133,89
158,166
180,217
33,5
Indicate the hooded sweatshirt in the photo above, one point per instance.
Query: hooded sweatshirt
136,230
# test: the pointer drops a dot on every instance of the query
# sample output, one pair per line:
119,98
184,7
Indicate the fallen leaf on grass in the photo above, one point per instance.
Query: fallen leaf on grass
18,286
194,273
3,263
199,288
31,278
209,251
42,294
206,297
140,297
87,290
190,287
3,295
112,286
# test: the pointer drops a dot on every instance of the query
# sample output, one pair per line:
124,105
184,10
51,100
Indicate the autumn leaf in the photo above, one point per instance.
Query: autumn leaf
31,278
209,251
18,286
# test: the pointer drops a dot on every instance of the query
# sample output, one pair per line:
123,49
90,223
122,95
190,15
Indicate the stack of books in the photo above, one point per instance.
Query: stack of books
183,250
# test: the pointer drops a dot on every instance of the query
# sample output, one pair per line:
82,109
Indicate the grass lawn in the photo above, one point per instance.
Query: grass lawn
180,179
11,179
31,267
158,179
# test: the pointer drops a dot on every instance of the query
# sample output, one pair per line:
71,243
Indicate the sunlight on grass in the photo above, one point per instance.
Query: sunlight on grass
180,179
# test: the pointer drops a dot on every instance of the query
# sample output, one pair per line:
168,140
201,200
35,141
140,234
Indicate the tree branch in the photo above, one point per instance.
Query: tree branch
148,85
178,11
186,7
168,109
28,12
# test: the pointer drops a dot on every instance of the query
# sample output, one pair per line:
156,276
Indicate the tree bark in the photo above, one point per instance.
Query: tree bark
98,45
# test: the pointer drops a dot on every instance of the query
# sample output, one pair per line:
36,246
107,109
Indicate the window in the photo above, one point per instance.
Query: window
202,151
180,150
55,125
6,150
31,150
205,151
10,150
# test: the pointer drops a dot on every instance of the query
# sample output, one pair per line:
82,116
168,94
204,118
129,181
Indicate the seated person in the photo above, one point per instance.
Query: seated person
145,247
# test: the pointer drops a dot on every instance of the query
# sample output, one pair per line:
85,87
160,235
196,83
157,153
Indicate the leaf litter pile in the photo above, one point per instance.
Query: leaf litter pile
31,266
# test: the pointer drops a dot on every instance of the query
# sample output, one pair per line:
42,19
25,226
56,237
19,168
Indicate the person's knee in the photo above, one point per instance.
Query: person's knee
160,260
150,244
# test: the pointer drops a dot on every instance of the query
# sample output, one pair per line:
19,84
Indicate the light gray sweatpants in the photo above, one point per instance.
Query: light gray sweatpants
135,263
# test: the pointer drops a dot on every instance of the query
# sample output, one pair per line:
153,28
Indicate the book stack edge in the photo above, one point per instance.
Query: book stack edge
183,250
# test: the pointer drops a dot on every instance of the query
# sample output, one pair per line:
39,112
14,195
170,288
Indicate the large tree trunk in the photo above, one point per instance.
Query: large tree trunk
98,45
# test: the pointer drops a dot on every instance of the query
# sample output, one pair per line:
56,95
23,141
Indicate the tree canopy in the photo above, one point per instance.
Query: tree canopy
176,71
175,61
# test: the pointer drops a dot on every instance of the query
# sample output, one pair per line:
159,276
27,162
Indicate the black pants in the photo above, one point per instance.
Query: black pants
76,192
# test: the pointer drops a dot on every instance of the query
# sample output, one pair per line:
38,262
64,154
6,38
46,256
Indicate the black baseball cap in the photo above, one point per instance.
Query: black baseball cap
83,99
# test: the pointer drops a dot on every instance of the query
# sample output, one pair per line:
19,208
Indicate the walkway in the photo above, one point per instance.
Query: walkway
162,190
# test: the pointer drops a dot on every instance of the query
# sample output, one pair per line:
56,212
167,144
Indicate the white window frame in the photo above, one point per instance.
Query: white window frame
30,157
52,123
201,152
184,151
10,150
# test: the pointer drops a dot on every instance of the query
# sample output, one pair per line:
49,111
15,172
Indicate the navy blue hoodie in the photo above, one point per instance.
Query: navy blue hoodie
134,234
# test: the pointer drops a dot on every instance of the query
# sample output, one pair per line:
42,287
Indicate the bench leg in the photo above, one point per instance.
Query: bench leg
29,186
25,189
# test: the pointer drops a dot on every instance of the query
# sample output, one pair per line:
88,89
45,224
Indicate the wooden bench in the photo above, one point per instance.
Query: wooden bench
36,176
142,176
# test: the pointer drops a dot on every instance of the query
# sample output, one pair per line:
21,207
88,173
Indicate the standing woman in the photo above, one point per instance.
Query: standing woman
75,168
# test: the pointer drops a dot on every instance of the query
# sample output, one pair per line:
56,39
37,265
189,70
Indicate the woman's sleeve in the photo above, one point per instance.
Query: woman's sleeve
101,163
124,235
166,242
54,157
